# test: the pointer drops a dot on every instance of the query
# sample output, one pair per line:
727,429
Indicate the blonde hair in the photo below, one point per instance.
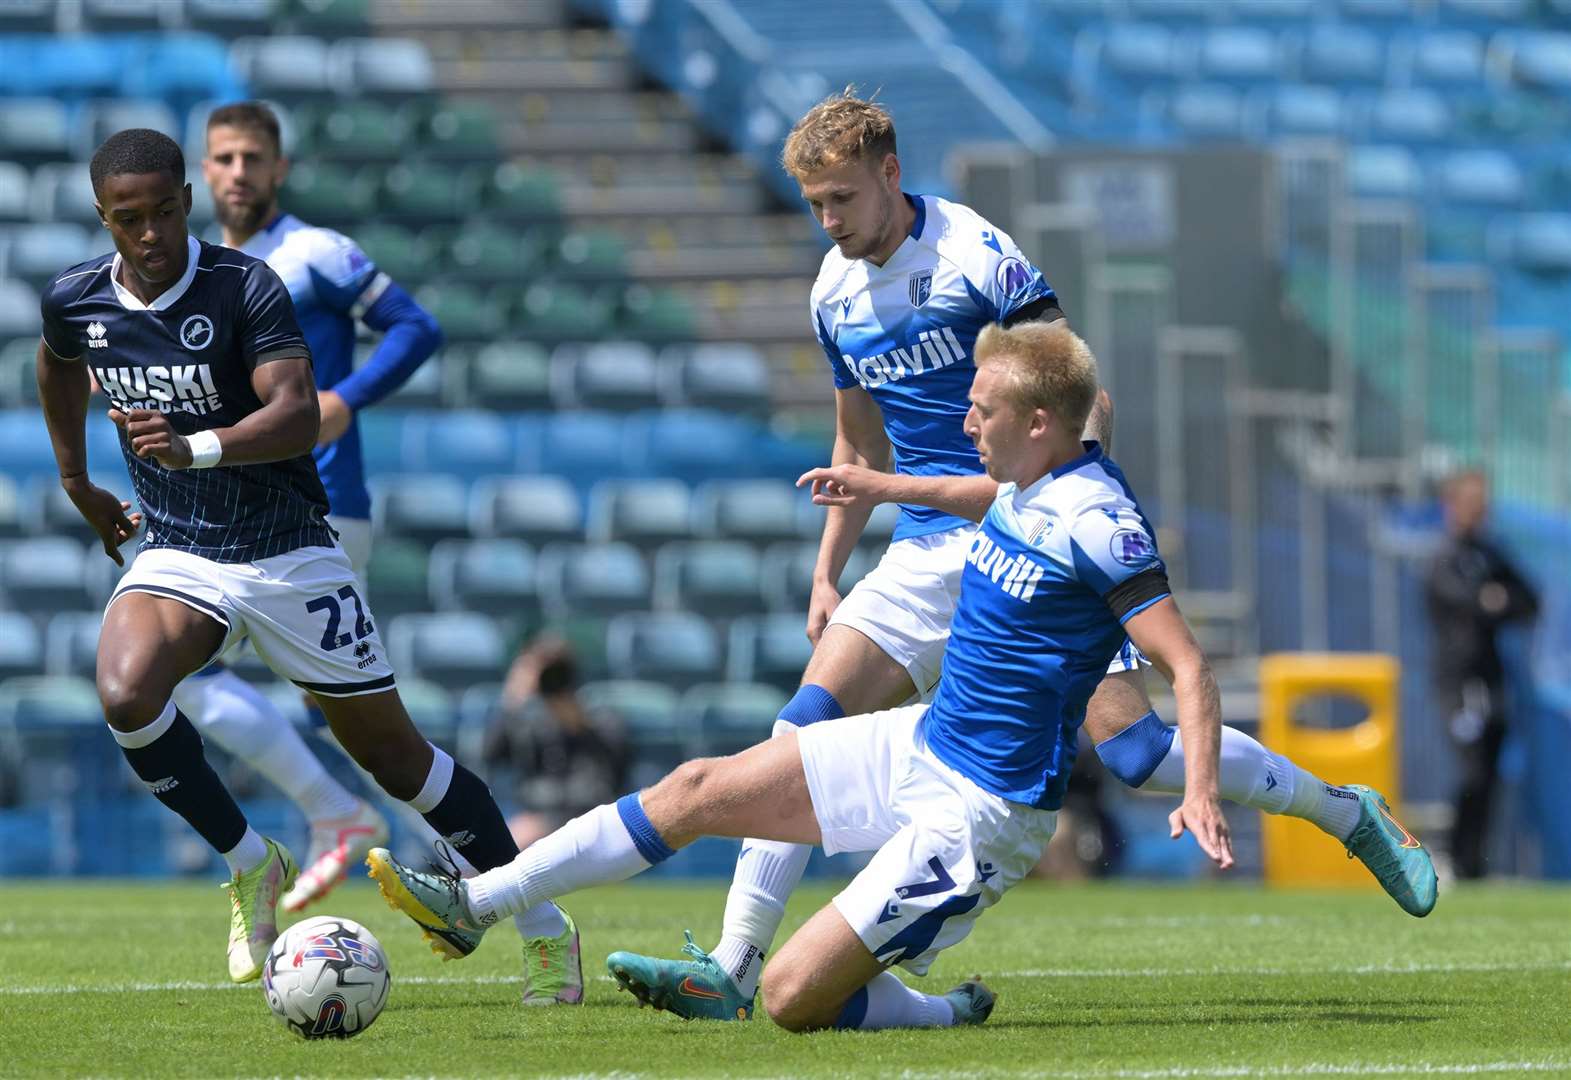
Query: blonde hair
841,128
1048,367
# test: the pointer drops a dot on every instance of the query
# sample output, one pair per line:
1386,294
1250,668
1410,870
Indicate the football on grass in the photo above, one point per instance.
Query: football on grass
326,978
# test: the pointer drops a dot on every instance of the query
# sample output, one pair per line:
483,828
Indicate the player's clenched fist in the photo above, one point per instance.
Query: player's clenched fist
151,437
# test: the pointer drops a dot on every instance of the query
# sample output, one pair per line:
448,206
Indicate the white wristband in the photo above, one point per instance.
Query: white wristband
205,449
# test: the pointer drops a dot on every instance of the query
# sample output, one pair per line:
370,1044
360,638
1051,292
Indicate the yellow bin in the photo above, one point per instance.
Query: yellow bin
1297,854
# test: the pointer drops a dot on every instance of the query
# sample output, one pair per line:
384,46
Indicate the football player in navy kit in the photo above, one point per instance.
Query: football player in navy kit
210,383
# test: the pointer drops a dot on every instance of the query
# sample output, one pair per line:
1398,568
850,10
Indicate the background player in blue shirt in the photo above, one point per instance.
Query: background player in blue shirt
956,800
209,380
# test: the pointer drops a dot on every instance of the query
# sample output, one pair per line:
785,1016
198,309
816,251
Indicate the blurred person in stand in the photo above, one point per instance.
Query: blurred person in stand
1473,590
558,756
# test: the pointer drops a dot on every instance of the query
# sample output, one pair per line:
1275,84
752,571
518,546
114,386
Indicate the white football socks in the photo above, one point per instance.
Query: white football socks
766,873
1253,776
241,719
592,849
248,854
890,1003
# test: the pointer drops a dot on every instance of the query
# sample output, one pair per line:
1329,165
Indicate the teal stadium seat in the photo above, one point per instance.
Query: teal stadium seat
112,16
494,577
490,253
593,254
290,68
771,649
328,194
426,386
15,181
759,511
423,192
18,373
12,522
98,120
329,18
65,193
397,577
432,707
678,648
451,648
592,580
71,643
619,376
644,513
788,574
518,192
44,575
34,130
355,131
21,646
536,509
425,507
656,314
660,736
396,68
28,15
563,311
457,130
401,253
232,18
37,254
729,378
464,312
510,375
732,716
716,578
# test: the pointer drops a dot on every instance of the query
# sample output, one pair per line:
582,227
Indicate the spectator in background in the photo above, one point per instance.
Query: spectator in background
560,758
1473,590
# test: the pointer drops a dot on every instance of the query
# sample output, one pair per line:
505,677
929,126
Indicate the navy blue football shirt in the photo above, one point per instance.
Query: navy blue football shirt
189,355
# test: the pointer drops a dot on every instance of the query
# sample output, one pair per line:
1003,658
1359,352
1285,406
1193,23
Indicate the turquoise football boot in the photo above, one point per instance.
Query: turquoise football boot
1394,855
694,989
972,1001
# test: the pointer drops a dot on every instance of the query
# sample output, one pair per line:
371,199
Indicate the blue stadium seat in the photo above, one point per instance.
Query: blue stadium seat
44,575
452,648
677,648
715,578
432,708
111,16
695,444
1273,10
510,375
14,190
1207,112
1481,178
12,522
1448,57
1240,54
788,574
64,705
1291,109
398,577
760,511
28,15
34,130
290,68
382,439
538,509
733,716
425,388
584,447
495,577
1488,12
392,67
644,513
592,579
65,193
420,506
1380,9
1542,60
465,442
1340,53
25,448
1410,116
38,254
21,646
1140,51
72,68
1384,171
619,376
71,643
770,649
1542,243
1187,12
730,378
98,120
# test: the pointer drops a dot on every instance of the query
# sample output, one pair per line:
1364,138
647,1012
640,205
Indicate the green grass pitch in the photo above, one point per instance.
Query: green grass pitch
1120,981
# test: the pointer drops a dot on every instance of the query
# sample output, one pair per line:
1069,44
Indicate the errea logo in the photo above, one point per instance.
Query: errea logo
96,336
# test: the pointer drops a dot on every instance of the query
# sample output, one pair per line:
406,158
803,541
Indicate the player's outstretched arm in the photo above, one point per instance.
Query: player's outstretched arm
64,387
856,487
860,441
1159,630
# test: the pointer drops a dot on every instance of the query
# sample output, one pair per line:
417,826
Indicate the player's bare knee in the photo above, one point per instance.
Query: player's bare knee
128,704
787,998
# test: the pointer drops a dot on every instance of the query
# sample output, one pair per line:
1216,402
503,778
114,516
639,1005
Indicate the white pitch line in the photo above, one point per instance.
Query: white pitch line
1025,973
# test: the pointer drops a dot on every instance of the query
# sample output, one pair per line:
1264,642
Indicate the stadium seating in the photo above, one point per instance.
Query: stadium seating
677,648
732,716
451,649
496,577
644,513
715,577
592,579
538,509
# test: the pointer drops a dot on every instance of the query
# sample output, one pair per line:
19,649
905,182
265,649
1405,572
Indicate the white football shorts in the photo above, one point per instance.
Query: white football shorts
945,849
905,605
302,611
